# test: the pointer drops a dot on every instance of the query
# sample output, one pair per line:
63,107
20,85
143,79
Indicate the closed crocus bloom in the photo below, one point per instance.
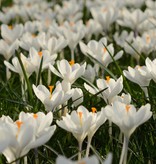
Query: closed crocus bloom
89,160
151,67
78,123
90,73
110,86
52,99
98,50
69,72
10,33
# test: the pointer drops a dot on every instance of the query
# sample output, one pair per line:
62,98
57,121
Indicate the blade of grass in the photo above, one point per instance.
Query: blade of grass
39,72
25,76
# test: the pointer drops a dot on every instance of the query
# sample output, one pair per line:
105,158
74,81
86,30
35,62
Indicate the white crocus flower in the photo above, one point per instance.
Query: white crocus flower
29,40
5,137
105,16
89,160
69,72
78,123
151,67
35,58
8,50
53,44
139,75
90,73
110,86
43,130
98,118
50,99
124,98
98,50
28,132
10,34
22,134
132,19
128,118
77,96
16,67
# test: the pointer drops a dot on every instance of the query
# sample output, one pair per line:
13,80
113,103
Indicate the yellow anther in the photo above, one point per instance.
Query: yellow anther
19,123
87,23
148,39
35,116
51,88
93,109
107,79
82,162
40,53
10,27
104,50
72,24
127,107
72,62
80,114
33,35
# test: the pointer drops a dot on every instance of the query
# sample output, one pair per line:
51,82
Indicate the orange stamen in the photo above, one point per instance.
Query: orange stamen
93,110
107,79
19,123
10,27
148,39
80,114
72,24
35,116
33,35
72,62
104,50
127,107
82,162
51,88
40,53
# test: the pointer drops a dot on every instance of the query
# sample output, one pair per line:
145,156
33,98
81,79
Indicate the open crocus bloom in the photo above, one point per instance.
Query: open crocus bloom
28,132
10,34
139,75
127,117
16,67
78,123
35,58
112,88
50,99
98,50
70,72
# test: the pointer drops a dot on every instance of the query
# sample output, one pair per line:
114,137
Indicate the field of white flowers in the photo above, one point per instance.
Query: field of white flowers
78,81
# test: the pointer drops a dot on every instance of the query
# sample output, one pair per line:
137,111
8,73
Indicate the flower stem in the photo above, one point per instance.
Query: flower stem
72,55
80,149
123,157
88,146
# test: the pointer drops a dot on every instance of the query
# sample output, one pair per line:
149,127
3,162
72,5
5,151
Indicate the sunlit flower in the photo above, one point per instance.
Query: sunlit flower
109,88
10,33
69,72
52,98
100,51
